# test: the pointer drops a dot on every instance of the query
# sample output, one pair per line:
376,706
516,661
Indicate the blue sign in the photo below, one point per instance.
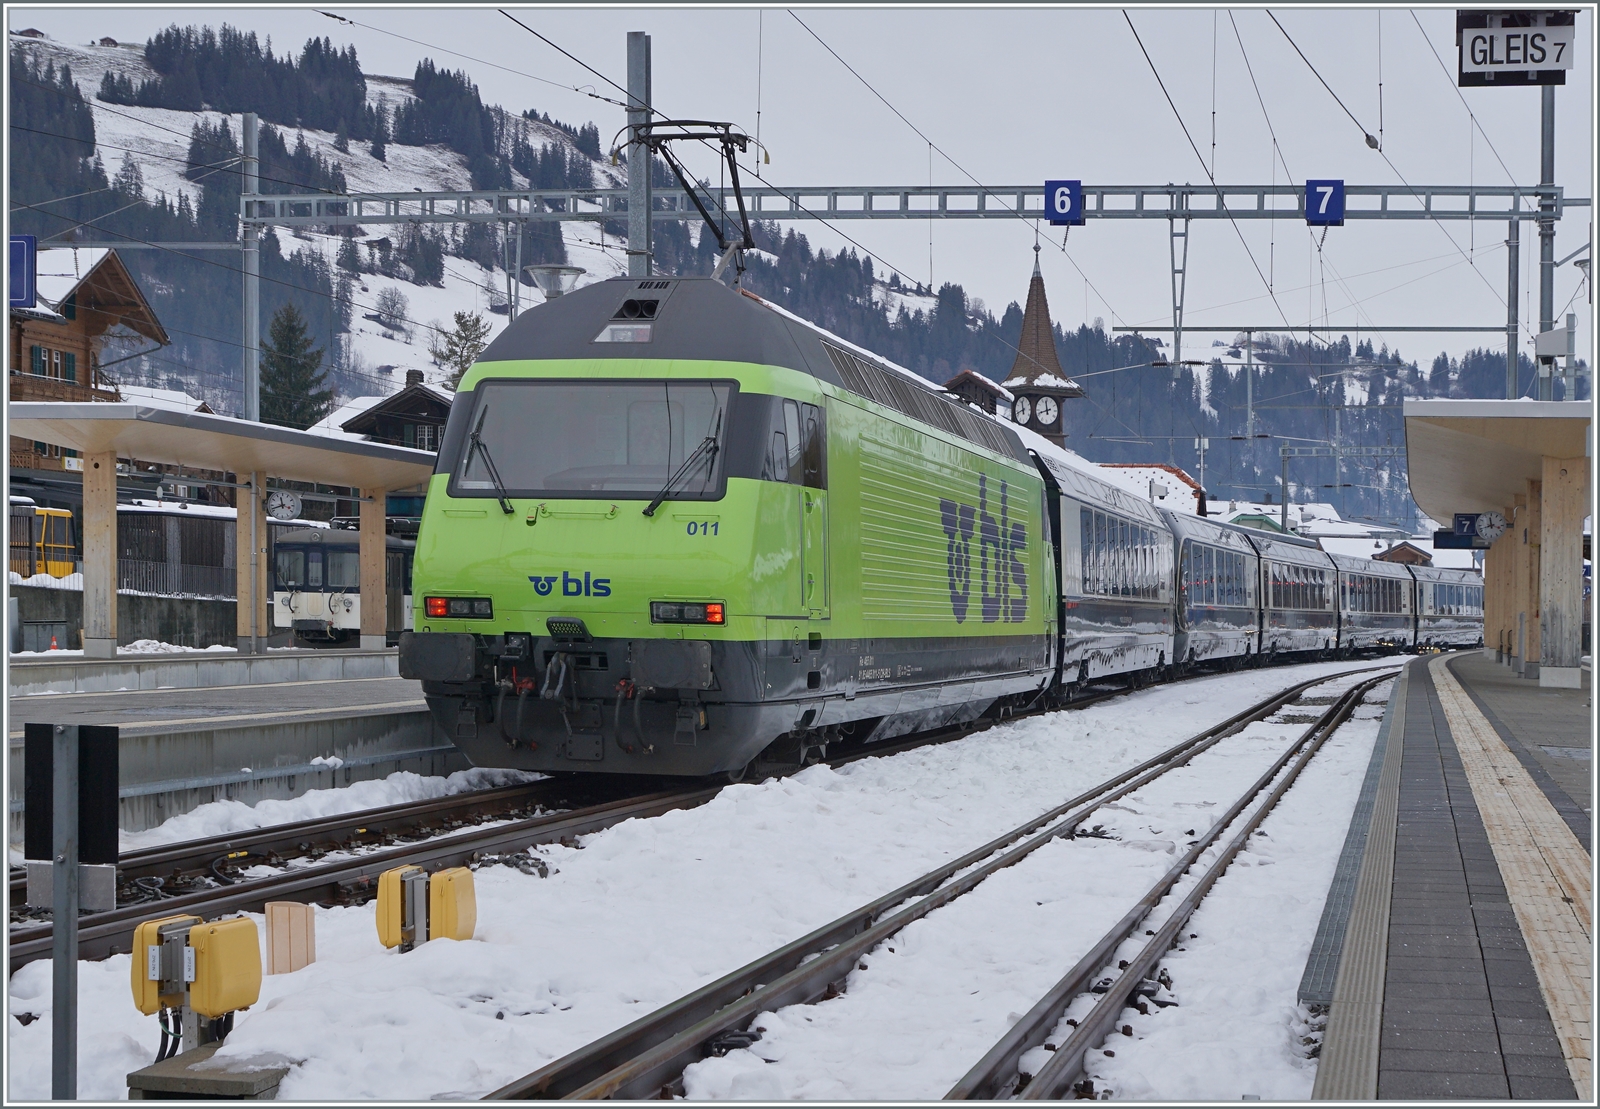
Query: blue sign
1063,203
1325,203
24,271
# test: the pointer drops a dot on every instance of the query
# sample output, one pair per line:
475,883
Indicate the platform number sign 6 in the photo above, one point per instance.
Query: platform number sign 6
1063,203
1325,203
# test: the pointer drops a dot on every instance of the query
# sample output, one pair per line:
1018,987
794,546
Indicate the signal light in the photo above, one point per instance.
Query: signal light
460,608
682,612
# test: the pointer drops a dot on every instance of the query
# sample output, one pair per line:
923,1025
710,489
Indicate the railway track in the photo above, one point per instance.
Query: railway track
646,1059
193,859
589,804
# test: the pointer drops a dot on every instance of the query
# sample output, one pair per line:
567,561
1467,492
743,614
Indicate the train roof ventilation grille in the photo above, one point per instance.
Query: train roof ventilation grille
892,390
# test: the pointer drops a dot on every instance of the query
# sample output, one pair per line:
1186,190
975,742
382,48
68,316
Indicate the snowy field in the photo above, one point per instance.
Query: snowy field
640,914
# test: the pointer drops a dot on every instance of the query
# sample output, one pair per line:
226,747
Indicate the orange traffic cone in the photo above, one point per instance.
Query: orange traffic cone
53,646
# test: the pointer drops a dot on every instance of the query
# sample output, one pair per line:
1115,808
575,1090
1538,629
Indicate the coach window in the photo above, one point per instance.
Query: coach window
1100,561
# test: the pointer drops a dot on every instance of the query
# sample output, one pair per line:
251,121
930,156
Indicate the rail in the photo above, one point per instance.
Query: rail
996,1074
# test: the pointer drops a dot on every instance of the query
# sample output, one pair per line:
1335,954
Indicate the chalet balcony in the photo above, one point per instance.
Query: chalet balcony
33,387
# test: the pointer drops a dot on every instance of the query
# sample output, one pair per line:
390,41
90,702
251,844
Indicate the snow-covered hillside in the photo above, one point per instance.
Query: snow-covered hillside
158,141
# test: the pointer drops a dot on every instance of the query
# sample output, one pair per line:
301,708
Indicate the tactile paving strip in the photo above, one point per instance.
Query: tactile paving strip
1545,870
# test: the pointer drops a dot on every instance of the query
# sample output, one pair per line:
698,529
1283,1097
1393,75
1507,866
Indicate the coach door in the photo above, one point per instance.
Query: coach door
814,512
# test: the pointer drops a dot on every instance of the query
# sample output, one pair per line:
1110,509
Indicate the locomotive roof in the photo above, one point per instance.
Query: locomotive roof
699,319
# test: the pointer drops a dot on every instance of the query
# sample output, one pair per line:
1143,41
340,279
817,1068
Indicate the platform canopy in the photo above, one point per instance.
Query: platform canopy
1478,455
211,442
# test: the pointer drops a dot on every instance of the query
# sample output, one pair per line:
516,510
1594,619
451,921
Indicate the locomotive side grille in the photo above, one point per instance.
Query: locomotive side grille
893,391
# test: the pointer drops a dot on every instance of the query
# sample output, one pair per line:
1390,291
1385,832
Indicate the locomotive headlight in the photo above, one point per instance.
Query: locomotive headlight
686,612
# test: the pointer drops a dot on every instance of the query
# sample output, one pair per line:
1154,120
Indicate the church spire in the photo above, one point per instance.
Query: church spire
1036,349
1036,381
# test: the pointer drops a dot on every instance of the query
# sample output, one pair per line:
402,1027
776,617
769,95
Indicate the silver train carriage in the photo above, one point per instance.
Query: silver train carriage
1449,607
1115,561
1377,608
1218,592
1299,596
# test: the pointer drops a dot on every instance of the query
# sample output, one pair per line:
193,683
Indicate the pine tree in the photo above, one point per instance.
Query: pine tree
130,180
294,386
380,131
341,139
456,350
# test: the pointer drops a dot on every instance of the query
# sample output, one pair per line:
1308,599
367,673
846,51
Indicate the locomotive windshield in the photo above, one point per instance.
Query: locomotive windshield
625,439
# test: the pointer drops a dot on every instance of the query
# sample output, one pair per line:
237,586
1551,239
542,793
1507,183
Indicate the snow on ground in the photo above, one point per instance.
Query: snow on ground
931,1000
137,647
640,914
220,818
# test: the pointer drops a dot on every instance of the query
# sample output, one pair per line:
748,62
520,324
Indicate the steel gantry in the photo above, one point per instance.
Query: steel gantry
1178,204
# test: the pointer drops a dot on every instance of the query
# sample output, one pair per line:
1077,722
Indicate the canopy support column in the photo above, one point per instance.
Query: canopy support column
1532,651
374,565
99,555
1566,497
250,546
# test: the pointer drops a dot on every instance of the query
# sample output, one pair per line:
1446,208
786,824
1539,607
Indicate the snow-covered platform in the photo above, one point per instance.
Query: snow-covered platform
197,728
60,672
1454,952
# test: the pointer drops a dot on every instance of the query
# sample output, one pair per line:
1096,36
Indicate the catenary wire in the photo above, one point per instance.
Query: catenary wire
1522,321
1201,158
1026,219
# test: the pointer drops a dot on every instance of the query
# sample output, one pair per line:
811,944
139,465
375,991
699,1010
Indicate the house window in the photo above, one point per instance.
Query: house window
37,355
69,366
427,437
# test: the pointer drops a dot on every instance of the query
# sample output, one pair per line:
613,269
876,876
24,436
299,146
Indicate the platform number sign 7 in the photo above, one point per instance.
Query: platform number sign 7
1325,203
1063,203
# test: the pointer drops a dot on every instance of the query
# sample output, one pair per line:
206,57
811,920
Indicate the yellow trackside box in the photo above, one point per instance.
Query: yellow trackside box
227,966
391,905
452,905
147,972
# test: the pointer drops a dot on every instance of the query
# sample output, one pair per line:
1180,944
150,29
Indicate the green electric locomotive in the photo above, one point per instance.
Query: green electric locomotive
677,530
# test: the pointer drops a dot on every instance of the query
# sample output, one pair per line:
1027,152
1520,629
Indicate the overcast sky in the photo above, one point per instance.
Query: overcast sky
1017,96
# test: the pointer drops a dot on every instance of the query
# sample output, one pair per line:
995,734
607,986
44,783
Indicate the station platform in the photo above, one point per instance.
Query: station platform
194,730
1454,954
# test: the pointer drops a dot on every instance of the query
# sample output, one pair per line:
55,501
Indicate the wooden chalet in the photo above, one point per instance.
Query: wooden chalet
1407,554
413,417
84,294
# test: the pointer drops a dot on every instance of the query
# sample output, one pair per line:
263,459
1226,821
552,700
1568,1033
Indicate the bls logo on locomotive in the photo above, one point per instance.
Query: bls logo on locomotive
571,585
1002,577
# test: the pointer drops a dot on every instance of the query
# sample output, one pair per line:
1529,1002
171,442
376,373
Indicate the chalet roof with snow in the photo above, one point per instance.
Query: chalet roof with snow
93,281
413,417
1037,368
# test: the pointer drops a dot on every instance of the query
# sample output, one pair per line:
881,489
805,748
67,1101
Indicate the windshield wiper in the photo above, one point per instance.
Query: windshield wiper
708,445
478,447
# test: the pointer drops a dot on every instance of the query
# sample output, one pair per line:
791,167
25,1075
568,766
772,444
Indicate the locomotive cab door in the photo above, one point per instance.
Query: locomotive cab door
814,513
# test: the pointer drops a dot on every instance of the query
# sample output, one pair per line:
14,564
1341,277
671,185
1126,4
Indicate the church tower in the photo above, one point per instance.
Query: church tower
1036,378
